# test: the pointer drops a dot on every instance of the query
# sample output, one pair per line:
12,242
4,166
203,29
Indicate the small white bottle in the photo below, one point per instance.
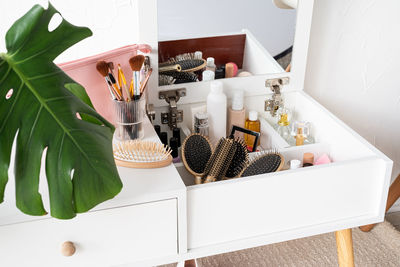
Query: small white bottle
208,75
216,109
211,64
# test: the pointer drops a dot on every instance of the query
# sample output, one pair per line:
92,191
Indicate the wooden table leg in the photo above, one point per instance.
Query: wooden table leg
190,263
393,195
344,244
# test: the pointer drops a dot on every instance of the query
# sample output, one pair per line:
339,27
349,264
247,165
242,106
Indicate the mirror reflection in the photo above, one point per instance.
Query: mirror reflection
207,40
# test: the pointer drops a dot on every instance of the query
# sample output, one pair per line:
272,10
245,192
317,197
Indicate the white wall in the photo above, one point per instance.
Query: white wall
353,68
272,26
111,22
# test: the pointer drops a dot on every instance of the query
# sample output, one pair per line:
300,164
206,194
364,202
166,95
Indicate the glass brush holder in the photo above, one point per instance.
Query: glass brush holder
128,119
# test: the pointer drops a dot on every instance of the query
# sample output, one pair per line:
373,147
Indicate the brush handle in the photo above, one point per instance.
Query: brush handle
136,85
197,179
175,67
209,179
110,89
146,80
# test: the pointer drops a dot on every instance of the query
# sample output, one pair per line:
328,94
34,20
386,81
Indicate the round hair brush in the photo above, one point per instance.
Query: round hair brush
220,160
239,160
265,163
182,77
196,152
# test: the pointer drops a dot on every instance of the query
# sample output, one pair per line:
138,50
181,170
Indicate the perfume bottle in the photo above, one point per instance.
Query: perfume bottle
283,128
301,133
253,124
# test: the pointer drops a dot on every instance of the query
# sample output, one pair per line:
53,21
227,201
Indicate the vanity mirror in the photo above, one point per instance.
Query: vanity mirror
223,39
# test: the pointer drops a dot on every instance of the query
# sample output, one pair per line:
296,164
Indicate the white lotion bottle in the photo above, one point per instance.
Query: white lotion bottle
216,109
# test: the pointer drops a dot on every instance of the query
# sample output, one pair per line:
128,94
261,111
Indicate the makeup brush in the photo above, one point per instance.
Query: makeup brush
102,68
136,63
122,82
266,162
196,152
146,80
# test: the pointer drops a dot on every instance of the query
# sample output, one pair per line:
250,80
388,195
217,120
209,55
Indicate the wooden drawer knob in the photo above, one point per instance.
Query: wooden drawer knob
68,248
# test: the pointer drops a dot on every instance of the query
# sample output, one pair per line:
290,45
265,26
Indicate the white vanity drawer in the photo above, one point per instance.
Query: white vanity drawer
102,238
277,202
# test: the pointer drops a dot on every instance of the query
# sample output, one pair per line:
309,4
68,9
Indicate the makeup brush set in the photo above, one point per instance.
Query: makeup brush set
118,89
127,98
230,159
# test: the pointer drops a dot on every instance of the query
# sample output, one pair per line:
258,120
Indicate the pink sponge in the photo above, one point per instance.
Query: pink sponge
324,159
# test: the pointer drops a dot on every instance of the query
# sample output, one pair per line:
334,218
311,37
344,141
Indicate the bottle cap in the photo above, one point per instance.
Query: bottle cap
173,143
237,100
220,73
253,115
216,87
308,158
210,62
208,75
198,55
295,164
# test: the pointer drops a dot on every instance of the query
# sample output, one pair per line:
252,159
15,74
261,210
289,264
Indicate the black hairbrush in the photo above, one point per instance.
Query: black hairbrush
196,152
265,163
182,77
239,160
220,160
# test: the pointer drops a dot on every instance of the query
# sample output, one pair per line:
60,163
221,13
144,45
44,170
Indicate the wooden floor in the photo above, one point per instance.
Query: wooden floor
394,218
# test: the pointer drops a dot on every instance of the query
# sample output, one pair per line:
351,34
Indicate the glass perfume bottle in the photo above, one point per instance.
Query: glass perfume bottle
283,127
301,133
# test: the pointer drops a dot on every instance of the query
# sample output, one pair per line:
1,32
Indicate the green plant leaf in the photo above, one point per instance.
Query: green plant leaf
42,113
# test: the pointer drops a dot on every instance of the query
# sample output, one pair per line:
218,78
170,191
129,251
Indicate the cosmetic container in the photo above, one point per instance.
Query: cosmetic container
253,124
216,109
210,64
236,113
201,123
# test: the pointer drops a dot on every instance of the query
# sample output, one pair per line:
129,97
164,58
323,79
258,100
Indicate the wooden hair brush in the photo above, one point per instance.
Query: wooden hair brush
220,160
264,163
141,154
196,152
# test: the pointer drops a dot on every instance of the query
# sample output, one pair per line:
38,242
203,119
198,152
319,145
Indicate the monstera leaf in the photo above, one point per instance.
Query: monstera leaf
39,104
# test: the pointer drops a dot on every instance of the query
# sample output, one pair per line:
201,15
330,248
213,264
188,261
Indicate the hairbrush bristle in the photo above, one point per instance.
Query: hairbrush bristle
239,160
219,163
182,77
102,68
187,65
264,162
196,151
140,151
165,80
136,62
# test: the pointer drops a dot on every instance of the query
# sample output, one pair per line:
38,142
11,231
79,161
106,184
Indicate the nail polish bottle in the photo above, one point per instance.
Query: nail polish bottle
173,144
176,132
164,138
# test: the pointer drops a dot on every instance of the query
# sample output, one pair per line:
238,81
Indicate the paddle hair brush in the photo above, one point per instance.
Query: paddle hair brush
196,152
240,159
219,163
264,163
182,77
136,63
